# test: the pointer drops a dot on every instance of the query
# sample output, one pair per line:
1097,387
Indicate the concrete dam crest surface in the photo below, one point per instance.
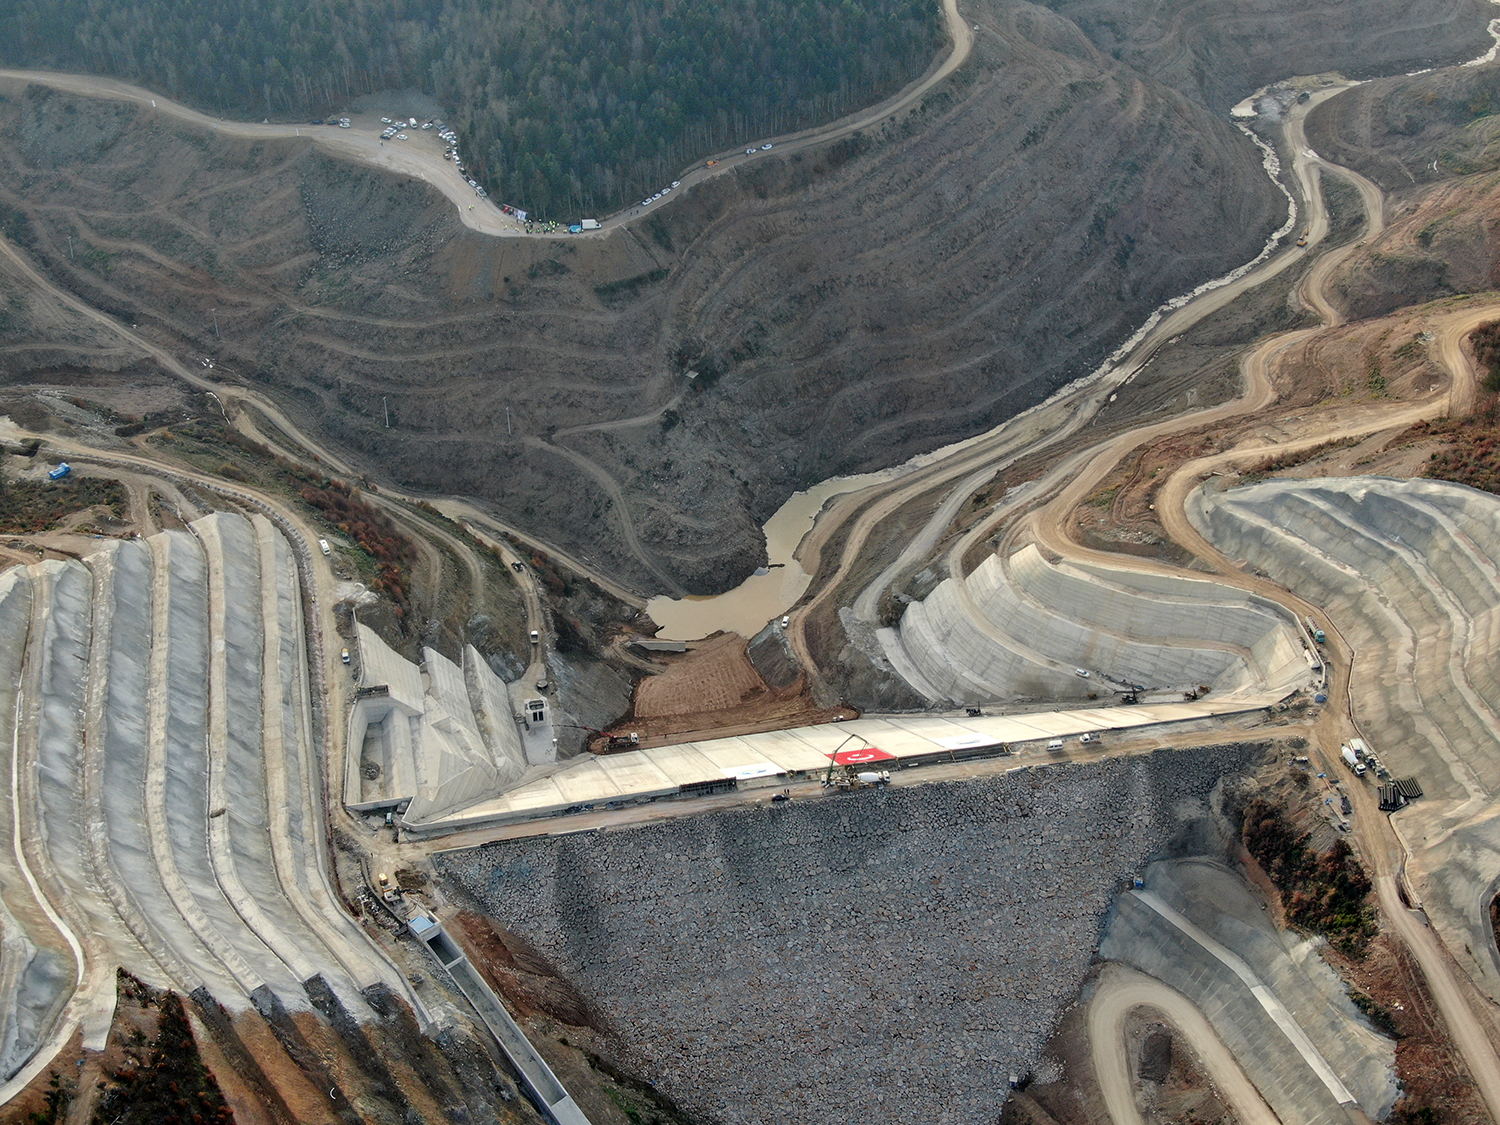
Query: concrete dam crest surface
167,802
890,955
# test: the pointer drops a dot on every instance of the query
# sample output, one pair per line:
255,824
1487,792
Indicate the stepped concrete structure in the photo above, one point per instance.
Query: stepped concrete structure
1409,574
38,965
1282,1012
1022,627
432,740
163,811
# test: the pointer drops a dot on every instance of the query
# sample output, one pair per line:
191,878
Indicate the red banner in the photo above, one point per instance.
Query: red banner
860,757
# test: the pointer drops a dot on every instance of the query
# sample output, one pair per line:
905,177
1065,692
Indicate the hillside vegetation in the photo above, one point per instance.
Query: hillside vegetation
560,106
650,396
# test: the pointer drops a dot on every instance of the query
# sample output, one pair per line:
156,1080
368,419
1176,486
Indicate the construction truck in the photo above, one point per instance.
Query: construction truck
1302,241
1351,759
847,778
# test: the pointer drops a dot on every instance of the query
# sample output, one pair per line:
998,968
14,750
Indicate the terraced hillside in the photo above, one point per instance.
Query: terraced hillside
1410,573
170,815
843,308
1023,627
1220,53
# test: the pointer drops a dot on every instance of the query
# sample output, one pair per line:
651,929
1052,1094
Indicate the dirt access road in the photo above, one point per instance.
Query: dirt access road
362,141
1079,475
457,509
1453,993
1047,425
1119,992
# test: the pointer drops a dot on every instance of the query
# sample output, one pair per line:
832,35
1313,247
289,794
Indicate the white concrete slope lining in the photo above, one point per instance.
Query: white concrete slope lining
162,796
1409,574
1267,999
432,740
38,964
1023,628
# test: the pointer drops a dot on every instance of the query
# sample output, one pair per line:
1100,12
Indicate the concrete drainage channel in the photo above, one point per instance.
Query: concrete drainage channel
543,1085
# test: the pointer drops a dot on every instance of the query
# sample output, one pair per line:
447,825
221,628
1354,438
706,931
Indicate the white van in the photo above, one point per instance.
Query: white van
1055,744
323,546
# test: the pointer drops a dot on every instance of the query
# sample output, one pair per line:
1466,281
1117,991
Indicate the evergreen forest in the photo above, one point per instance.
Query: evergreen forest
561,108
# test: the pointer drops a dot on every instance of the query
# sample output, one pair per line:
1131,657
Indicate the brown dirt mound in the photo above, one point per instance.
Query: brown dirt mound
713,691
716,676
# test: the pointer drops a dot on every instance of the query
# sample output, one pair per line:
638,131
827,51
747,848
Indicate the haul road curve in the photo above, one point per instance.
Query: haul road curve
479,213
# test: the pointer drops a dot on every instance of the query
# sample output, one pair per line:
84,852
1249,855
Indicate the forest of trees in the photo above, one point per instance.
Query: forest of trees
561,108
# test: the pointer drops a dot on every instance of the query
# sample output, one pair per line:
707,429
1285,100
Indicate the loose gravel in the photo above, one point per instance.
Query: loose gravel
891,955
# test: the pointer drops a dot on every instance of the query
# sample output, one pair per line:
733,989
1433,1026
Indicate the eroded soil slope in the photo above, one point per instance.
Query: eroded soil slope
843,311
650,396
1219,53
1432,142
1411,131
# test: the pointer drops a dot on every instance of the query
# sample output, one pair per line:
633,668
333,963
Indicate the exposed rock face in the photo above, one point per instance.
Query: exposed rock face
1408,132
1219,53
888,955
1429,142
843,309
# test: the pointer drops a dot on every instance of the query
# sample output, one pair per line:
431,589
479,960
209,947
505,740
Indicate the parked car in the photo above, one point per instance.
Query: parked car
765,147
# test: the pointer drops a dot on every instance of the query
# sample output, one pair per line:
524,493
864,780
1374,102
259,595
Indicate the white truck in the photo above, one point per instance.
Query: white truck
589,224
1351,759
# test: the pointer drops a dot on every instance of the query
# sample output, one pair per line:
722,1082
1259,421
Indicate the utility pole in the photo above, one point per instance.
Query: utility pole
215,313
386,402
507,422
